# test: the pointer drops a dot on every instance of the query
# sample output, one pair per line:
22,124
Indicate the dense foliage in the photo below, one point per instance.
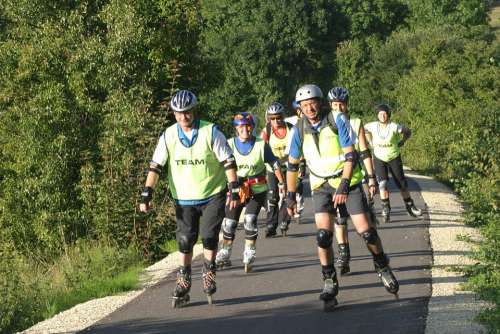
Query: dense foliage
84,88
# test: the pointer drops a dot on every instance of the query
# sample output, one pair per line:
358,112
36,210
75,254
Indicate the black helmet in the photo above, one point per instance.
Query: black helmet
383,107
338,94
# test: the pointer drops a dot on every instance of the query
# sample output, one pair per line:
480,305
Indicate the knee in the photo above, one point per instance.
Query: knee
370,236
185,242
210,243
229,228
251,229
324,238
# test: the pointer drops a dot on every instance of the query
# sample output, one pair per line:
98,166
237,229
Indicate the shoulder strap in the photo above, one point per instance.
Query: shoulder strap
268,131
331,123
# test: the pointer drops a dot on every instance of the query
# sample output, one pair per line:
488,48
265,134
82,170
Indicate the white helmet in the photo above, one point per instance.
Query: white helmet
308,92
183,100
275,108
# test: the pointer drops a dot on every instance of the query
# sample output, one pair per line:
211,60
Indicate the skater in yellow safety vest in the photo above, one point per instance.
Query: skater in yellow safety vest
199,163
338,98
277,134
335,179
252,155
387,137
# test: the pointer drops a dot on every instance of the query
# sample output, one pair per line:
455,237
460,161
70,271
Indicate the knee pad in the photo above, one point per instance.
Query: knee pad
185,243
341,221
370,236
251,229
229,228
210,243
382,185
324,238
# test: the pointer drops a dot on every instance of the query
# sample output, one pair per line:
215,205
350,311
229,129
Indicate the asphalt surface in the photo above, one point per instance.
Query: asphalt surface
281,294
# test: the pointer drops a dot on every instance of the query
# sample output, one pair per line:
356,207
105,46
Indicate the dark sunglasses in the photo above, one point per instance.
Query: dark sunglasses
275,118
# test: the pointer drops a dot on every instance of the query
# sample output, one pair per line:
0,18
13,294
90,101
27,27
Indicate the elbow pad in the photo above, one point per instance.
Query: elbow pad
352,157
365,154
230,163
155,168
292,167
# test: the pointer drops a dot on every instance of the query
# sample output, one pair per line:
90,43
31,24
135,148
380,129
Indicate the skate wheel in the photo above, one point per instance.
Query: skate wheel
329,305
344,271
180,302
209,299
248,268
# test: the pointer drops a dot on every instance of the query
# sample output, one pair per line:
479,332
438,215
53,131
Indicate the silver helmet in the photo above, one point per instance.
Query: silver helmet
275,108
308,92
183,100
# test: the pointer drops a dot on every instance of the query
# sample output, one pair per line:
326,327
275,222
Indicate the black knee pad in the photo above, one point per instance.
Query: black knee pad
324,238
341,221
185,244
370,236
210,243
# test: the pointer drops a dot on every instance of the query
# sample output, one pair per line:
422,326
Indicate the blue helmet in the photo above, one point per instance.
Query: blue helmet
338,94
183,100
243,118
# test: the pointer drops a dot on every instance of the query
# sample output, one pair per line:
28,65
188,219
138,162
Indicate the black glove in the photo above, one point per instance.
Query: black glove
343,188
234,191
146,195
291,200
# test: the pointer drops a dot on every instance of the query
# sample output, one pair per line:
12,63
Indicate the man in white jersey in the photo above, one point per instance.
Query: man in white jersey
387,138
198,160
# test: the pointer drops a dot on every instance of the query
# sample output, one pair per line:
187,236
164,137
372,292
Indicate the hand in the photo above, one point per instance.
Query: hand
372,190
282,189
145,207
339,199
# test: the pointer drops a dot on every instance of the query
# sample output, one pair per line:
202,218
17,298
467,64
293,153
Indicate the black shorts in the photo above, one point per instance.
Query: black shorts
253,206
206,218
322,200
395,166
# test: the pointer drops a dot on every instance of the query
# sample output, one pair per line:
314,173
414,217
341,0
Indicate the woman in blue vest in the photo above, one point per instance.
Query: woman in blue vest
251,154
198,162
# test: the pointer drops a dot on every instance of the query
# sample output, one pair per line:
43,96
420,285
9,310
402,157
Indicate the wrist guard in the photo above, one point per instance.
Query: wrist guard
146,195
234,191
291,201
343,188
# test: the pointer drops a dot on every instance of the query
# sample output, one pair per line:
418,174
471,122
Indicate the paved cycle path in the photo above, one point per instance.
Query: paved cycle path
281,294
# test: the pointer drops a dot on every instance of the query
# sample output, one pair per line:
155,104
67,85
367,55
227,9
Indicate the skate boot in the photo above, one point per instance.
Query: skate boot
330,289
300,208
386,212
223,258
270,231
385,274
343,259
284,227
412,209
249,257
183,286
208,278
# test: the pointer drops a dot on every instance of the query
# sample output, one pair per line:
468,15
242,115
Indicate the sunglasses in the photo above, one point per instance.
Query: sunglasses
275,118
